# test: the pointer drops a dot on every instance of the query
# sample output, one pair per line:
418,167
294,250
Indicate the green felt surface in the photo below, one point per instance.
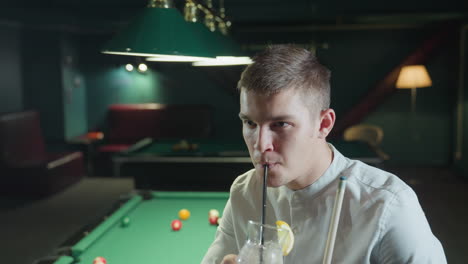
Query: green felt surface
149,237
105,226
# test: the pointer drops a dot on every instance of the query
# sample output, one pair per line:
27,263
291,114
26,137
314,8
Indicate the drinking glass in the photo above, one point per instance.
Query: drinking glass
256,252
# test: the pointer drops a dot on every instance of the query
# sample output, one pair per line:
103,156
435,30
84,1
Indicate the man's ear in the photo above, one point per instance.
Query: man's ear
327,120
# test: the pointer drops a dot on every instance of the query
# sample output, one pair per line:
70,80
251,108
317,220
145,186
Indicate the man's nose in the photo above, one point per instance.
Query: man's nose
264,140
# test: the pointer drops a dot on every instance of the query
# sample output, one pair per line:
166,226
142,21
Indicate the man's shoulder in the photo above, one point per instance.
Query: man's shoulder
245,199
374,180
244,182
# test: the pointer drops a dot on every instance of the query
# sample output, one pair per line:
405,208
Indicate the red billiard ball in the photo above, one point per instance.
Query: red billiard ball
99,260
213,220
176,225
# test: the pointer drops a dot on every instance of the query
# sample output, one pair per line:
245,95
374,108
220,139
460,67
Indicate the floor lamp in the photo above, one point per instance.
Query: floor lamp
413,77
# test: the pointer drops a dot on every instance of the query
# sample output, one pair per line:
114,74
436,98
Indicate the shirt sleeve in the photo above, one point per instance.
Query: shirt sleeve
406,234
224,242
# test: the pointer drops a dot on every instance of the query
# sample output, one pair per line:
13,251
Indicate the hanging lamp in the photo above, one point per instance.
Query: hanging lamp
160,30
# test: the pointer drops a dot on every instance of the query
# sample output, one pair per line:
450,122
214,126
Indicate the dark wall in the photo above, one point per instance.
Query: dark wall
425,136
108,82
42,80
10,68
74,88
52,83
360,57
461,136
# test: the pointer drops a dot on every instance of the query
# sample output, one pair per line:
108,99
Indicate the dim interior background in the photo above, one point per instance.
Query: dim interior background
51,61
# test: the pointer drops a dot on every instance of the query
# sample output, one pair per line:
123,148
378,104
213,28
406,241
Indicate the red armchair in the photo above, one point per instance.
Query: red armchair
25,166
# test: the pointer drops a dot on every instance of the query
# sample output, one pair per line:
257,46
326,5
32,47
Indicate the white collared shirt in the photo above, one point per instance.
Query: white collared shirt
381,219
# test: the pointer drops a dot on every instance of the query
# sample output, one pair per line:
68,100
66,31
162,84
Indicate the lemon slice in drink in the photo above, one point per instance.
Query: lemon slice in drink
285,237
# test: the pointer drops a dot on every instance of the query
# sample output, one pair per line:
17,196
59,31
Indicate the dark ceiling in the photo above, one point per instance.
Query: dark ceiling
243,13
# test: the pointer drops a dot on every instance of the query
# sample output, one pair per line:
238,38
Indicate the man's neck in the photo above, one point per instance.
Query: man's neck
321,164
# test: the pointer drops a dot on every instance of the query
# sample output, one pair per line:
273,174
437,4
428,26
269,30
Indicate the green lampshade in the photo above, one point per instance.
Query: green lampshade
219,45
230,47
162,31
222,45
228,53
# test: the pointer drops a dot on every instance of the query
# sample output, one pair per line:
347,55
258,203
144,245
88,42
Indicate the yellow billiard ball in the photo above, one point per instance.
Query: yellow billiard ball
184,214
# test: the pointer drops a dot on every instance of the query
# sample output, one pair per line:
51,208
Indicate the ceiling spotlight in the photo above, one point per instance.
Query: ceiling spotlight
142,67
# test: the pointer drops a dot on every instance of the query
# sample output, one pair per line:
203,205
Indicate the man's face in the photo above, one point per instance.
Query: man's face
280,131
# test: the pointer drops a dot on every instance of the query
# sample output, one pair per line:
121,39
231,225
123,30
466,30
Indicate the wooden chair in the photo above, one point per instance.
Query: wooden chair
371,134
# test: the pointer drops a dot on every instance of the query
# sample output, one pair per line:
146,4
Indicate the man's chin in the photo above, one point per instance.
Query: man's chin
272,180
274,184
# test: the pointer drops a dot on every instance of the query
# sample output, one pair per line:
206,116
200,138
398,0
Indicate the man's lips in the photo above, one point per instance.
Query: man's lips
261,161
269,164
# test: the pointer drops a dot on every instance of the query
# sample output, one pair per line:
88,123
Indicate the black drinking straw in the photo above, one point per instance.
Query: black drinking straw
265,175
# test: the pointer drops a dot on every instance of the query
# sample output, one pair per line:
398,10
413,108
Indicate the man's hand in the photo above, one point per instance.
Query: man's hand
229,259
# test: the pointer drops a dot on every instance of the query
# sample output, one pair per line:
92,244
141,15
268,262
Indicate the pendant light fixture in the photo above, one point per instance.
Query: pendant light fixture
229,52
161,31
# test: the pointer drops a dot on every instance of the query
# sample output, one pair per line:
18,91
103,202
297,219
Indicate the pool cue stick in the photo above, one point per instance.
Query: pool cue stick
334,221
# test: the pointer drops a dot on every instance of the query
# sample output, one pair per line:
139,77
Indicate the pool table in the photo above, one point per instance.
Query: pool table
206,165
148,237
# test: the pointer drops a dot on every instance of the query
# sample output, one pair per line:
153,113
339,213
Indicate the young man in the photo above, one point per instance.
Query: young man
284,107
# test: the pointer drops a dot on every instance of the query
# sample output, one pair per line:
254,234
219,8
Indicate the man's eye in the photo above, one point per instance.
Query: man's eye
249,123
281,124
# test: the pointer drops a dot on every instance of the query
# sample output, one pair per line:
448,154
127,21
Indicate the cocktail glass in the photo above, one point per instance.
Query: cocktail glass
261,248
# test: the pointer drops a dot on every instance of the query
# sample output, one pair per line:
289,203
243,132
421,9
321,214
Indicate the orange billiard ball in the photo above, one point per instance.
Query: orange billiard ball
184,214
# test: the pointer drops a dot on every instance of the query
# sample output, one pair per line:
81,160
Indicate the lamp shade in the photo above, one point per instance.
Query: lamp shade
413,76
161,31
224,61
226,50
228,53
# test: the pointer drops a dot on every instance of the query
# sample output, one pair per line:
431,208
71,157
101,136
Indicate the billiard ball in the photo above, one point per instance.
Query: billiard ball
176,225
176,147
219,220
213,220
184,145
125,222
184,214
193,147
99,260
213,212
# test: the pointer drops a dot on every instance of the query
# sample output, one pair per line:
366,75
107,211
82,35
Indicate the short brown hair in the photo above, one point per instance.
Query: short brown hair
281,67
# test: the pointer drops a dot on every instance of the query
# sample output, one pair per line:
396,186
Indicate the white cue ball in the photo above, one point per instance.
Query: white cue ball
213,212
